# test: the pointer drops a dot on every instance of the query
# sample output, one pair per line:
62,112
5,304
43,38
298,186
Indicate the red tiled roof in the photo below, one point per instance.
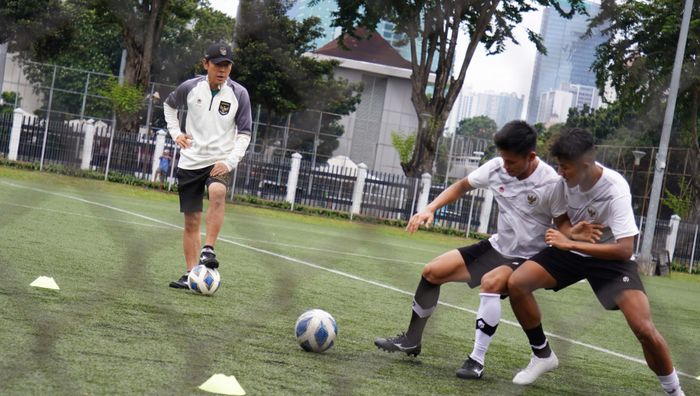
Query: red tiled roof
373,49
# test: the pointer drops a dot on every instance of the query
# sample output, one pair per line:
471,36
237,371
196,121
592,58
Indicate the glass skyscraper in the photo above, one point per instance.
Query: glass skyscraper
569,55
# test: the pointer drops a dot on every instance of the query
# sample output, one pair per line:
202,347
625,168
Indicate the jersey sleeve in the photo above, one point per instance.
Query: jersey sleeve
621,221
178,98
244,118
557,199
479,178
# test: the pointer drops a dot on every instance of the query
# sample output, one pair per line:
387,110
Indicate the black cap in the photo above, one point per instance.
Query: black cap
219,52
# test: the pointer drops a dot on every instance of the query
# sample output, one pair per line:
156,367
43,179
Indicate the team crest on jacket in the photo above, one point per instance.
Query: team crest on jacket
224,107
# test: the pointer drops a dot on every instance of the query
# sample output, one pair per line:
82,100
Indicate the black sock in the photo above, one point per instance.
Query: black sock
424,303
538,342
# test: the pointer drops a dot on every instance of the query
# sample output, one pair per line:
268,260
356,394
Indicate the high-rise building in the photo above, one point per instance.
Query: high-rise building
500,107
570,55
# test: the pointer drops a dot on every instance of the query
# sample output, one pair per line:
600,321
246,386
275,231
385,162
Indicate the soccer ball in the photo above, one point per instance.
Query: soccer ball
315,330
203,280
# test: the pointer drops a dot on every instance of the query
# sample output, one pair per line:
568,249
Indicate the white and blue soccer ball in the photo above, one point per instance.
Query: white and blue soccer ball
315,330
203,280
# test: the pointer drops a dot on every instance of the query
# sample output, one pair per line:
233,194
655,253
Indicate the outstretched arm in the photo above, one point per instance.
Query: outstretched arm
448,196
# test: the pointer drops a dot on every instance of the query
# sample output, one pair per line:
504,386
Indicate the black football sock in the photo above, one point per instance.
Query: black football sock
538,342
424,303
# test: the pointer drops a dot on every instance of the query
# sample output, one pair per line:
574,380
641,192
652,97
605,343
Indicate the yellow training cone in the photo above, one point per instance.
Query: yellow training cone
45,282
222,384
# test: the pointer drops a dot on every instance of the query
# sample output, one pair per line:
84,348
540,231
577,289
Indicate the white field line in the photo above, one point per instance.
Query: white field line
230,237
334,271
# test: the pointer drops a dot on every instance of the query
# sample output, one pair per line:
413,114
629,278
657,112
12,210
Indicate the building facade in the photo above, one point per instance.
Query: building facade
500,107
385,105
569,55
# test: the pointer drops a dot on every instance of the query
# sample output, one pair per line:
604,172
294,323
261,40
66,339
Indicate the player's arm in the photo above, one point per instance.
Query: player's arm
620,250
173,122
449,195
583,230
244,121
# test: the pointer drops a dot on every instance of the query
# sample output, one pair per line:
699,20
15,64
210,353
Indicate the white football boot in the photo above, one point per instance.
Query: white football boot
537,367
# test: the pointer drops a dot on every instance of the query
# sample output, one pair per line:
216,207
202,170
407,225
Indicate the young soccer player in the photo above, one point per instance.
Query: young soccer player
523,188
599,195
215,139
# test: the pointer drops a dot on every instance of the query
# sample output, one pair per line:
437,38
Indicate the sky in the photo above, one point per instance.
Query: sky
510,71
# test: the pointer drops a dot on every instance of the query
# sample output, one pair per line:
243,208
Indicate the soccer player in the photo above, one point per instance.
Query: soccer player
215,138
523,188
599,195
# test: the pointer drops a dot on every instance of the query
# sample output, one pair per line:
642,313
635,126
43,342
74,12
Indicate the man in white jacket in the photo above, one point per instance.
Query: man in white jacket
213,133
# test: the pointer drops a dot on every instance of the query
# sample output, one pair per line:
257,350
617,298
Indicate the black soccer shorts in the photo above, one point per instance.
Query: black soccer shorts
608,278
480,258
190,187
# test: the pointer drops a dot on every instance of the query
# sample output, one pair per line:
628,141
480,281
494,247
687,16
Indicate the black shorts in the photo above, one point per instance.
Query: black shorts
608,278
190,187
480,258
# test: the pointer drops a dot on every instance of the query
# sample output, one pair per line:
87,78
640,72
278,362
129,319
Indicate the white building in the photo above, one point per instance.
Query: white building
554,106
12,79
501,107
385,106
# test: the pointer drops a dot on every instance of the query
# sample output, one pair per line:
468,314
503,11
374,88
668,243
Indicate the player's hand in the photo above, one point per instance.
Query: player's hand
585,231
557,239
219,169
184,141
425,217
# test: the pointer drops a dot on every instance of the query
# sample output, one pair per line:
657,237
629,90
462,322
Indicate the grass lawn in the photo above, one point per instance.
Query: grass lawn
115,327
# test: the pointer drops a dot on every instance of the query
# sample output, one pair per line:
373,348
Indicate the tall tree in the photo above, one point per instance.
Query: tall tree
432,28
480,126
270,61
636,62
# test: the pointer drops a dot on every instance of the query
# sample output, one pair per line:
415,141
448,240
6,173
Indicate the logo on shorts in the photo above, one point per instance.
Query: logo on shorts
532,199
626,279
592,212
224,107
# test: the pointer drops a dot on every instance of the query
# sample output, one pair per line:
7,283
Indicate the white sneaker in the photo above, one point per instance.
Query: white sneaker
537,367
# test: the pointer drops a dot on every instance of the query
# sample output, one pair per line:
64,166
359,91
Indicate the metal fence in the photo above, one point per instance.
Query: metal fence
5,129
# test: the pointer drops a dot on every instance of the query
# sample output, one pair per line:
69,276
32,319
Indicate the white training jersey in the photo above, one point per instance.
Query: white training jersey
213,121
608,202
525,207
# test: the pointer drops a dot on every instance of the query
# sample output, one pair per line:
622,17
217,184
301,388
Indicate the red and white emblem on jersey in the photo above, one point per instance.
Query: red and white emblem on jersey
501,189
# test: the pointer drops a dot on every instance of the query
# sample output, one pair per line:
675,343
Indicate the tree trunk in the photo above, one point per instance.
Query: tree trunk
439,40
141,32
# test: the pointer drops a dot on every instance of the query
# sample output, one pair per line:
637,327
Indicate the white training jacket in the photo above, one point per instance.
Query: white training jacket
219,125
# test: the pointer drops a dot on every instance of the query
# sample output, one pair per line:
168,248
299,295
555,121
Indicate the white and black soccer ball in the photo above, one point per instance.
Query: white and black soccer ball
315,330
203,280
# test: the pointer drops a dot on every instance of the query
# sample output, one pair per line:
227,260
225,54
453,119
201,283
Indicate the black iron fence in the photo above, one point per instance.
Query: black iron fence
5,129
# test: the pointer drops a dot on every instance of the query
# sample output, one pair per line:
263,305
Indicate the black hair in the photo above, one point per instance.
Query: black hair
517,137
573,144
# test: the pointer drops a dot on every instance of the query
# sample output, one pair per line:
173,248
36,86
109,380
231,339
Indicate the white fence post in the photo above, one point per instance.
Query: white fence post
358,190
157,153
293,179
672,236
15,134
485,215
88,143
426,183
